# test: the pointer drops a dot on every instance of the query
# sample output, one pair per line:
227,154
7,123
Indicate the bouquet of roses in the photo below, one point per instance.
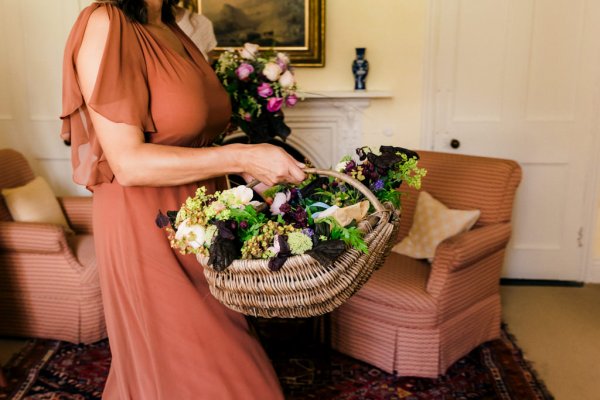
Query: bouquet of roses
320,217
259,85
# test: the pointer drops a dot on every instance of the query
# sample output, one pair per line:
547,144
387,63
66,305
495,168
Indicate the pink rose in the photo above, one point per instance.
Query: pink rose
274,104
244,71
265,90
247,117
291,100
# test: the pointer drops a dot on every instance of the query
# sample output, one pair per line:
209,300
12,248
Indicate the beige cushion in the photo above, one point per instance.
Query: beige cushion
35,202
433,223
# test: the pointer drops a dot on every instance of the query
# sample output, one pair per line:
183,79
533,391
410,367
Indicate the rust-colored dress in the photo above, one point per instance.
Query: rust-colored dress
170,339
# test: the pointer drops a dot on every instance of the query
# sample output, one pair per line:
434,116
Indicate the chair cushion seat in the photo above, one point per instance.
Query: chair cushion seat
396,293
83,249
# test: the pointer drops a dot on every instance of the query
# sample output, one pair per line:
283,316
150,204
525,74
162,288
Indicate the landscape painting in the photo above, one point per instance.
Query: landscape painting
293,26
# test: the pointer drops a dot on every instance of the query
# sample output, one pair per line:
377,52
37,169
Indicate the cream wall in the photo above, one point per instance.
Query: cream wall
393,31
597,237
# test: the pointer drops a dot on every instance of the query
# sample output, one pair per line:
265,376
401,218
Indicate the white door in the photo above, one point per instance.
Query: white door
519,79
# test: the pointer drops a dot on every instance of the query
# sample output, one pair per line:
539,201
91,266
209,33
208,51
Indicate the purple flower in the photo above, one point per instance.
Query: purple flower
300,218
350,166
274,104
291,100
308,232
265,90
244,224
285,208
244,71
281,64
378,185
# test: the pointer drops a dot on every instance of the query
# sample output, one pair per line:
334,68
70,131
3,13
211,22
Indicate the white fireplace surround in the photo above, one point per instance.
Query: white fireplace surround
328,125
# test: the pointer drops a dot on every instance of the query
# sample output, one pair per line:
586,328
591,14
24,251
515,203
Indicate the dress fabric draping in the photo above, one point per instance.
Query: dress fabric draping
170,339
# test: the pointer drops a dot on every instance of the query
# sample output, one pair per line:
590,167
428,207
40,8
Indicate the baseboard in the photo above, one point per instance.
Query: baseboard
539,282
593,275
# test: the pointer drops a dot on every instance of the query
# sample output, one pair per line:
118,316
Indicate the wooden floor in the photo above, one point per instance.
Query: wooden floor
557,327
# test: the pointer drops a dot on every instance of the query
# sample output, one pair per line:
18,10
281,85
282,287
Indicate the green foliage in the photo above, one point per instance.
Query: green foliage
351,235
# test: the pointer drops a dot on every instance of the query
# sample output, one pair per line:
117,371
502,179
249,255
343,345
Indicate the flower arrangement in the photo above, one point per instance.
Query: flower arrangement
319,217
259,84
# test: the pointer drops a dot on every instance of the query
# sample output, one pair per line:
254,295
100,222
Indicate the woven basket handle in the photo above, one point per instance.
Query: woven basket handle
343,177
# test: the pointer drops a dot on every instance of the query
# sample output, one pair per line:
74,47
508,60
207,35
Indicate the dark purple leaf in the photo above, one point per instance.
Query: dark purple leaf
327,252
222,253
276,263
162,221
310,189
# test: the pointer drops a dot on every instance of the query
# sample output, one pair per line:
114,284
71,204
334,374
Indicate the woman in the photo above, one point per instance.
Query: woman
140,108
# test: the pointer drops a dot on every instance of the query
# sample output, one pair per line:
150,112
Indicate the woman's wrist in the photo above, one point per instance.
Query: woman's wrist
234,157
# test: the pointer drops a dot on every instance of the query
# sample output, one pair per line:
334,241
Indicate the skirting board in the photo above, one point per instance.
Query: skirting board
593,275
538,282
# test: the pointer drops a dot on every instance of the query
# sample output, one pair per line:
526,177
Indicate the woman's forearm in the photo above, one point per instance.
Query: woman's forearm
157,165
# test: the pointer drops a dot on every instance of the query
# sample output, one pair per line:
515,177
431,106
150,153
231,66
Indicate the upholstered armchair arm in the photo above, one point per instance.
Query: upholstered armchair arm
467,248
78,211
469,262
32,237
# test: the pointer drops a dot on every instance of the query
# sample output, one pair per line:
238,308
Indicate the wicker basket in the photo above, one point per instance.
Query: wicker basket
304,287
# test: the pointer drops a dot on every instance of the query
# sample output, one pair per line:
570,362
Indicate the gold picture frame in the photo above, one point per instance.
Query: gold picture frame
301,35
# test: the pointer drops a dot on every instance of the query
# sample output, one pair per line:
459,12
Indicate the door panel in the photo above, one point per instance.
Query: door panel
518,79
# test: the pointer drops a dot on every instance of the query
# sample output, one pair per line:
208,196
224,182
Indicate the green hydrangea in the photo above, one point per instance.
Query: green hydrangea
299,243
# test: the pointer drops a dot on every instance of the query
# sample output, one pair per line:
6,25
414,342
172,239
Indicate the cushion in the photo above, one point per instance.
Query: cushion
433,223
35,202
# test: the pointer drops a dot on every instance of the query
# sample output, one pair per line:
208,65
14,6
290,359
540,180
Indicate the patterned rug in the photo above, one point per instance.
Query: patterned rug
52,370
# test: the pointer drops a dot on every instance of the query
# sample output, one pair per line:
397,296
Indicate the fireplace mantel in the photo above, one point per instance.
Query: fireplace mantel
328,125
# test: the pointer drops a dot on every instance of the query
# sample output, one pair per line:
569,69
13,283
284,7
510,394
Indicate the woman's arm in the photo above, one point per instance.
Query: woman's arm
136,163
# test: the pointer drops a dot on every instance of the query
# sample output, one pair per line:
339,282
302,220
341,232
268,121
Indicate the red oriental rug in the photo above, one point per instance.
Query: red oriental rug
496,370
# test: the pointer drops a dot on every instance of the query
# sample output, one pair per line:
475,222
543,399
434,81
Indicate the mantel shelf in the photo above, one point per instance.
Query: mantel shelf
349,94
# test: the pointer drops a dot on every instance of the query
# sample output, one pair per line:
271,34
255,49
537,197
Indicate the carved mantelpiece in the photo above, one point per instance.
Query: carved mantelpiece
328,125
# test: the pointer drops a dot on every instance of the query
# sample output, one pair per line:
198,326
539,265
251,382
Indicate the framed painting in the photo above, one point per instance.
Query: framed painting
296,27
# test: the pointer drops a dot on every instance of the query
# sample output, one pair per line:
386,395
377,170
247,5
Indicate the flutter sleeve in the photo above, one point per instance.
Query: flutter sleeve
120,94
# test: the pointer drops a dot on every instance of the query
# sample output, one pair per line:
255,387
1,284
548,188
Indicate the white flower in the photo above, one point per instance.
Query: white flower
237,197
287,80
193,235
249,51
272,71
280,199
283,58
243,195
341,166
326,213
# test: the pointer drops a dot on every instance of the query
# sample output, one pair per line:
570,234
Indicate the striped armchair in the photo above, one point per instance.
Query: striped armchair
414,318
48,280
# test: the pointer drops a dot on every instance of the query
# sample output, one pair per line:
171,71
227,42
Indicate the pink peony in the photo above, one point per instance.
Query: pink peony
265,90
291,100
244,71
274,104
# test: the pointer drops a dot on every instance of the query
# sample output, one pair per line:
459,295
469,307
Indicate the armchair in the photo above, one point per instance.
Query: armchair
414,318
49,284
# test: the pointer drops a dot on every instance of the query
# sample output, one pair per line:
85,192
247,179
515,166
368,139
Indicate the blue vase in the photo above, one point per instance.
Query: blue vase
360,69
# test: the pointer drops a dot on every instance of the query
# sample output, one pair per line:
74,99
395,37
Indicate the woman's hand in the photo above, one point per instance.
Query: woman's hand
270,165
